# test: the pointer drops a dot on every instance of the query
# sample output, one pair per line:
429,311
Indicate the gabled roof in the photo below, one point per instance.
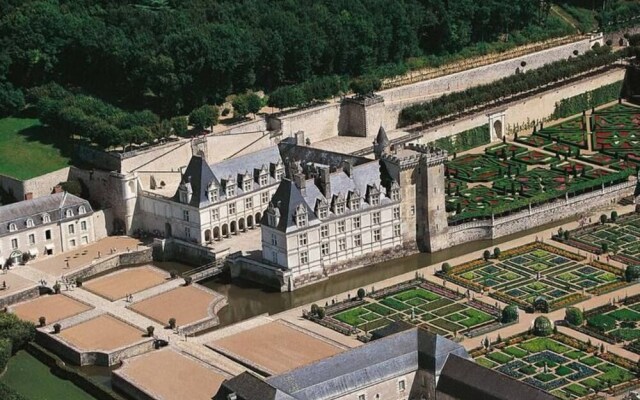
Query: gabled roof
55,205
291,151
464,379
247,386
363,366
198,175
246,163
382,139
287,199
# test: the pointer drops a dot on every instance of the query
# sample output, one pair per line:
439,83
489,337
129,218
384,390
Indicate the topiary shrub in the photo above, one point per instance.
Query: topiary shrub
574,316
567,235
509,314
614,216
496,252
542,326
188,280
172,323
486,255
42,321
321,312
173,273
150,330
632,273
314,309
79,281
361,293
5,353
446,268
56,288
603,219
57,328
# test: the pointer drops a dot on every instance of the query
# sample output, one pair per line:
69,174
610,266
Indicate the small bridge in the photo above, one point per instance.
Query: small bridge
206,271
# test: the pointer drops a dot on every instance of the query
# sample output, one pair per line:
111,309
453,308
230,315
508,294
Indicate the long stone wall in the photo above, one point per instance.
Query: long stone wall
18,297
540,215
112,262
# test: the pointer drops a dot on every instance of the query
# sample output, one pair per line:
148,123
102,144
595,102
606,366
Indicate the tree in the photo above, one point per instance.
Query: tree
11,99
179,125
604,247
574,316
542,326
254,103
509,314
603,219
42,321
321,312
361,293
150,330
496,252
57,328
203,117
172,323
632,273
365,85
486,255
314,309
240,106
614,216
446,268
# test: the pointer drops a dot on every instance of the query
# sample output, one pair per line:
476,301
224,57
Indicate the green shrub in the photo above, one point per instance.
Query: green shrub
7,393
57,328
496,252
17,331
632,273
509,314
573,315
446,268
188,280
587,100
361,293
150,330
321,312
601,323
42,321
5,353
542,326
603,219
172,323
486,255
173,273
614,216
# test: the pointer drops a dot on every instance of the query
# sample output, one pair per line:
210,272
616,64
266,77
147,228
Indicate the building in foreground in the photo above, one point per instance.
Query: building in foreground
45,226
414,364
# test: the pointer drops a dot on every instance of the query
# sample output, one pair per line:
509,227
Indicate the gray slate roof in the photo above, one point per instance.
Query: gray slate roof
464,379
246,163
361,367
197,177
56,205
287,198
247,386
290,151
382,139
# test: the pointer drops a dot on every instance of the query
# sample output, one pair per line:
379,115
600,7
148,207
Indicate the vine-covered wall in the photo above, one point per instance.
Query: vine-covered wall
465,140
593,98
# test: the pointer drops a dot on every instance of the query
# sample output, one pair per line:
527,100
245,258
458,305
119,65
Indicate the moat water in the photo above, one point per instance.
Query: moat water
247,300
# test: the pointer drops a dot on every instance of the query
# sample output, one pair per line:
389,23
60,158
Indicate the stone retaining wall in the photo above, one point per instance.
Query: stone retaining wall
18,297
536,216
139,257
123,385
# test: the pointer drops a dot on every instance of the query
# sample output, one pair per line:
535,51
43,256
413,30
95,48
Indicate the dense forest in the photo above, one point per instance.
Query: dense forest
171,56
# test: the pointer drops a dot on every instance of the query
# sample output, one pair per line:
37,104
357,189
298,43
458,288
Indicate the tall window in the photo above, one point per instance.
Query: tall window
357,240
322,212
301,216
32,238
215,214
264,197
396,213
355,204
231,189
342,244
402,386
376,218
46,218
356,223
341,226
72,242
71,228
264,179
304,257
302,239
248,203
187,232
82,210
83,225
325,249
246,184
279,174
68,213
274,240
14,243
232,208
396,230
185,215
47,234
340,208
29,223
324,231
213,194
376,235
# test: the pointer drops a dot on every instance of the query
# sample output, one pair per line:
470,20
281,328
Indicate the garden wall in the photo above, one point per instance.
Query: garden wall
111,262
536,216
18,297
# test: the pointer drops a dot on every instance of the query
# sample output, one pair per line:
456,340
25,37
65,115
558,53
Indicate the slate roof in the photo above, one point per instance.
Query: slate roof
464,379
287,198
290,151
382,139
247,386
358,368
199,175
56,205
391,329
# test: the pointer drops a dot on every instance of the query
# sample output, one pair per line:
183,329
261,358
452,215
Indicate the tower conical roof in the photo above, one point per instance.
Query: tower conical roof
382,138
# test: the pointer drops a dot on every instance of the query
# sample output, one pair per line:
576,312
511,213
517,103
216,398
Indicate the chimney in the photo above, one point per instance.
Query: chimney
347,168
324,181
299,138
301,182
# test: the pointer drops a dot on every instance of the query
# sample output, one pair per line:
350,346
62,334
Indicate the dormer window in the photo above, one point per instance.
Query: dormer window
301,216
246,183
68,213
212,192
82,210
354,201
395,191
373,195
264,178
322,208
183,197
339,204
29,223
231,187
12,227
46,218
273,215
279,170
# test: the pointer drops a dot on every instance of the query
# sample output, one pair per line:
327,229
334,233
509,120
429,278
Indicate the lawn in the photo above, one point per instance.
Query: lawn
33,380
540,344
27,149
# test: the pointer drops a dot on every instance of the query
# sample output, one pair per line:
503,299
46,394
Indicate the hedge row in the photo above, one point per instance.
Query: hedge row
587,100
7,393
5,353
522,82
466,140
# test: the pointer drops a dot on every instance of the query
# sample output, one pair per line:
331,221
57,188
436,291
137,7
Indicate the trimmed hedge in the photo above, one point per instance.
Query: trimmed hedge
587,100
514,84
466,140
5,353
7,393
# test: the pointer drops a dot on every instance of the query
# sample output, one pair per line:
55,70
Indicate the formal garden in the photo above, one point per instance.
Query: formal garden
559,364
536,276
619,236
419,302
